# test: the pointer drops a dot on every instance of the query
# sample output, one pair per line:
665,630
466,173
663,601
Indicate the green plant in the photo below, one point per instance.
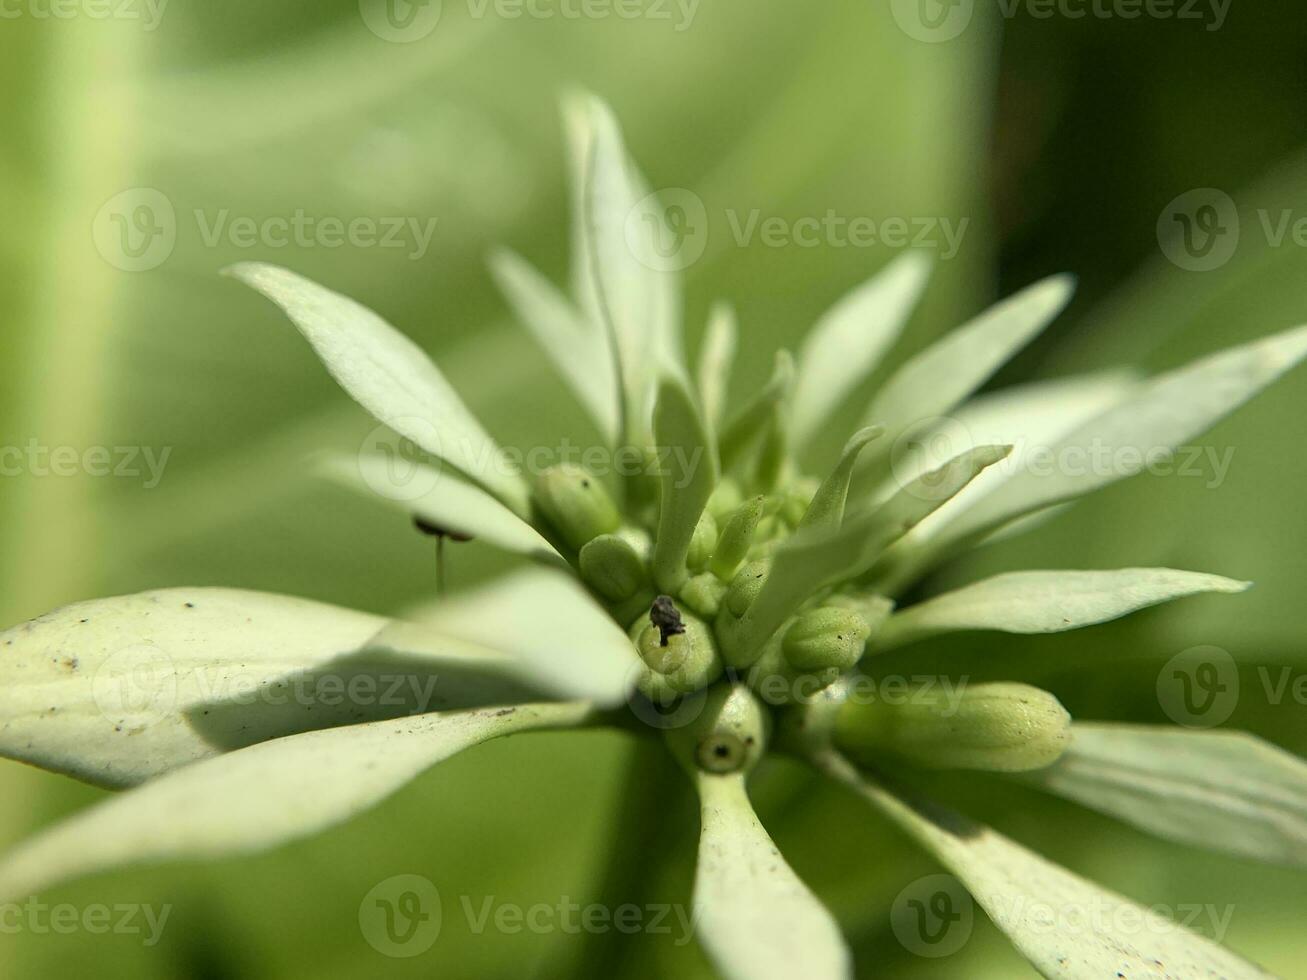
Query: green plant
700,590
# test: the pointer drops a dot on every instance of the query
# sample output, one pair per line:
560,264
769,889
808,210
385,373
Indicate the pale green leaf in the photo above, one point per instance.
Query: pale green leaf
687,474
827,507
261,796
1226,791
813,559
848,341
946,373
640,304
756,919
550,624
715,361
1067,927
1168,411
1029,417
1046,602
441,499
390,376
116,691
922,495
577,346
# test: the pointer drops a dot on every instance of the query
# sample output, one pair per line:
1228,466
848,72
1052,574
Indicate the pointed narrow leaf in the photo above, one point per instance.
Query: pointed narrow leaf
549,623
848,342
440,499
262,796
578,349
638,303
686,478
116,691
946,373
756,919
1172,408
1225,791
810,560
579,132
715,362
923,495
1046,602
827,507
390,376
1060,922
1031,418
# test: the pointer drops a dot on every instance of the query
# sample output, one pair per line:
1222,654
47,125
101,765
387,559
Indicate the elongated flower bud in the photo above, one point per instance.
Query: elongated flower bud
828,637
576,504
736,538
746,585
728,736
678,651
702,543
703,595
611,567
991,727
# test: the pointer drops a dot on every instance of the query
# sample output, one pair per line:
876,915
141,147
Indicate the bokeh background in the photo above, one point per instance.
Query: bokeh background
1061,140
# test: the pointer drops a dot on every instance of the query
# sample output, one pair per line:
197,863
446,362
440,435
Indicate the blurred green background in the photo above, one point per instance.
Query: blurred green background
1060,139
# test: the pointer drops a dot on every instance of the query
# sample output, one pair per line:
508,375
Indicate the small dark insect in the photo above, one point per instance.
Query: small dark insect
665,616
436,531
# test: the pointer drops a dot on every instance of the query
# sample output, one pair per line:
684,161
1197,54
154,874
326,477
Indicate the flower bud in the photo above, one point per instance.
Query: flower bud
576,504
678,651
990,727
728,736
827,637
736,538
703,595
611,567
778,682
702,543
746,585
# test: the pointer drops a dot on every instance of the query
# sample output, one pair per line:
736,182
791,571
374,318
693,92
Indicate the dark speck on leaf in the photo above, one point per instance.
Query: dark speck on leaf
190,605
664,615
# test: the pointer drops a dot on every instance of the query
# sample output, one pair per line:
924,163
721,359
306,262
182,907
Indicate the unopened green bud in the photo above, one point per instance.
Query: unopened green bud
611,567
990,727
745,586
728,736
828,637
736,538
777,681
702,543
576,504
678,650
703,595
